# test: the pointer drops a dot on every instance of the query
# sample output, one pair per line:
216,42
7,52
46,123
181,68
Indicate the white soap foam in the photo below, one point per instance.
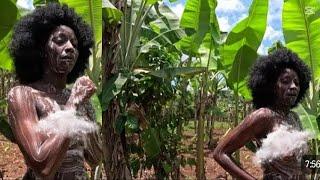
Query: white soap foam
66,122
284,141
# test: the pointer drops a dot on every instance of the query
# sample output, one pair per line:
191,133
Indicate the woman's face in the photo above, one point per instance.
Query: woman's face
287,87
61,50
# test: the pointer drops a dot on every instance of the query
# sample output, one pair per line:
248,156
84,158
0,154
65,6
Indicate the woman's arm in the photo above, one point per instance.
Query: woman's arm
43,153
256,124
79,99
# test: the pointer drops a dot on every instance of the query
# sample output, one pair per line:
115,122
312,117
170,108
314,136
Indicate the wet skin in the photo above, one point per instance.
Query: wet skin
28,104
259,123
62,52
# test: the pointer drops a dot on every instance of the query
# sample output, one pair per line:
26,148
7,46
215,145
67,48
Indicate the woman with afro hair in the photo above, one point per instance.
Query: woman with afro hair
53,125
278,82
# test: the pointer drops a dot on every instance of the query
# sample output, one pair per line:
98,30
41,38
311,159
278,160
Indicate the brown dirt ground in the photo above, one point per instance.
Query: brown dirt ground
213,170
12,165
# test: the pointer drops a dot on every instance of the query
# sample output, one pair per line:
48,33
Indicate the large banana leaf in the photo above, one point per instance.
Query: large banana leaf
241,46
5,58
91,11
301,22
167,22
110,14
198,19
9,14
111,88
308,121
163,29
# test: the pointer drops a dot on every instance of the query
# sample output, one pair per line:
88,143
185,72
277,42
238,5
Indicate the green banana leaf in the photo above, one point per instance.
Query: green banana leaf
240,50
308,120
9,15
6,61
163,29
91,11
198,19
301,22
111,15
111,88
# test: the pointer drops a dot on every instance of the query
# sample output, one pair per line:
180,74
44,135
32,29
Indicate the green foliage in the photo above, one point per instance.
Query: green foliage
301,21
9,15
308,120
151,144
5,128
97,106
197,24
241,45
111,88
111,14
6,61
91,13
170,73
301,31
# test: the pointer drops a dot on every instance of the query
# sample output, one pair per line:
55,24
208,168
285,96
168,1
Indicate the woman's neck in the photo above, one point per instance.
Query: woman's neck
281,109
58,81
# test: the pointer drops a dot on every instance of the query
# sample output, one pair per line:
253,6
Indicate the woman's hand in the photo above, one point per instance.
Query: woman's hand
82,90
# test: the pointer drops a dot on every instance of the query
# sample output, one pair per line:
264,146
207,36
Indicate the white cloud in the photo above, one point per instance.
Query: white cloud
224,24
230,5
178,9
270,37
25,6
263,49
272,34
275,5
275,11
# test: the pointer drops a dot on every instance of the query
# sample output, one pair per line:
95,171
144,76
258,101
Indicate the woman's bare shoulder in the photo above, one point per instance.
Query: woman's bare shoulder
20,90
262,113
21,93
261,116
262,121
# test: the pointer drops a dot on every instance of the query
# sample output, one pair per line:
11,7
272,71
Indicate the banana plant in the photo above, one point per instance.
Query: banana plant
240,52
301,21
9,15
300,27
201,41
240,49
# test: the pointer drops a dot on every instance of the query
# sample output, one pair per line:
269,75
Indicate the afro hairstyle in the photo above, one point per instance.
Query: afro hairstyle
265,72
33,30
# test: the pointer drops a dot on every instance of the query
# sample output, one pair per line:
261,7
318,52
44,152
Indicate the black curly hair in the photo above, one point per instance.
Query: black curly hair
267,69
33,30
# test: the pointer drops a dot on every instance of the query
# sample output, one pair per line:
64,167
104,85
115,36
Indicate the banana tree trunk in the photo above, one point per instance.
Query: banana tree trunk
200,171
113,148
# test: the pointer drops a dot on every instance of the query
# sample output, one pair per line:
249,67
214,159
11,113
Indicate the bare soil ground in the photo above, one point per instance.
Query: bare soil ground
12,165
213,170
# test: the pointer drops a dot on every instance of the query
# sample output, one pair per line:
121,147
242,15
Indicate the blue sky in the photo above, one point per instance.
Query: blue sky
229,12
